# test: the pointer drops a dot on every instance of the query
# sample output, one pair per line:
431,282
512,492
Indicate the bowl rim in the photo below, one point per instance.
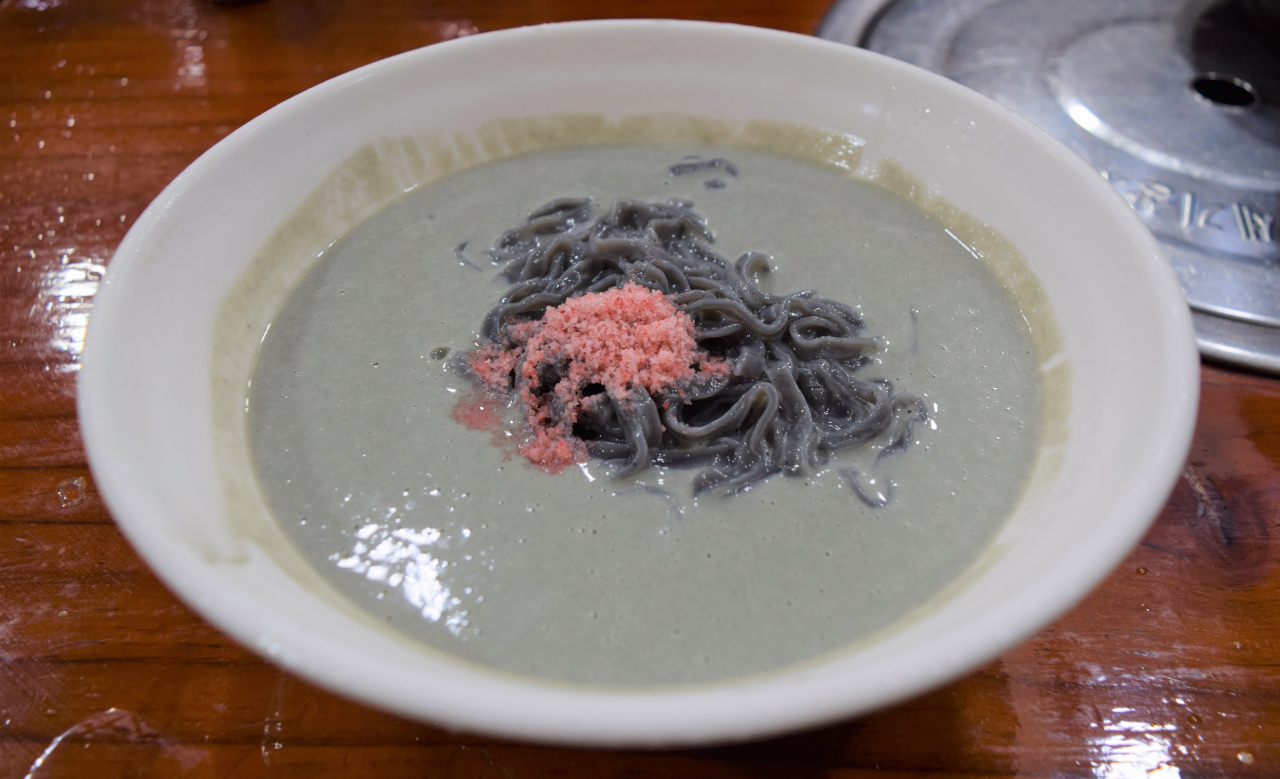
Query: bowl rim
795,698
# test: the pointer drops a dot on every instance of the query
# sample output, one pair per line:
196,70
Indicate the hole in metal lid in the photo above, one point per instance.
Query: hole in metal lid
1225,91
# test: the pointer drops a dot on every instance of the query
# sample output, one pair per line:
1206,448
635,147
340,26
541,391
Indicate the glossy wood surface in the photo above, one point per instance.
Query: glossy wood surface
1171,668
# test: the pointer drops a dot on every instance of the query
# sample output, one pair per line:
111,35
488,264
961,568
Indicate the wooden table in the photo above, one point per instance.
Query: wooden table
1169,669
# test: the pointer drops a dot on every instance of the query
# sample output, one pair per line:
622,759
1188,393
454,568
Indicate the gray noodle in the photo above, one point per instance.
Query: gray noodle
792,396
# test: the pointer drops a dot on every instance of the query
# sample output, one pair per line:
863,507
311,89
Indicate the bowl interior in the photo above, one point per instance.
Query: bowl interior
1123,355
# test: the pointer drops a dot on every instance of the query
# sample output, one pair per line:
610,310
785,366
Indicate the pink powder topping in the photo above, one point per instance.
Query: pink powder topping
477,413
624,339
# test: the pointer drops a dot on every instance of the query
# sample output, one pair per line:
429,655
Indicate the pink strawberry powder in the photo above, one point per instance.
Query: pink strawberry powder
625,339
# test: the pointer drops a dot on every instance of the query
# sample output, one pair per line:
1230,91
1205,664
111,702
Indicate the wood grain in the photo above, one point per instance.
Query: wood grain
1169,669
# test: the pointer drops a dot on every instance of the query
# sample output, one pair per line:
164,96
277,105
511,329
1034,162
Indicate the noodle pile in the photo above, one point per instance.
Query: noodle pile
770,389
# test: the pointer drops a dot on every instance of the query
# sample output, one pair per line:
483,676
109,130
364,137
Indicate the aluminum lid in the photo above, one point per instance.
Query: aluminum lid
1175,102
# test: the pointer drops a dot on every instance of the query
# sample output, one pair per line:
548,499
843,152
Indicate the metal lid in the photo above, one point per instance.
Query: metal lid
1175,102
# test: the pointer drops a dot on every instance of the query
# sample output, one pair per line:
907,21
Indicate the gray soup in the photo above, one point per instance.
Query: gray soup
447,535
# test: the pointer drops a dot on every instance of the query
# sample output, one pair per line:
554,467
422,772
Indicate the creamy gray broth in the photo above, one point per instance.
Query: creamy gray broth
451,538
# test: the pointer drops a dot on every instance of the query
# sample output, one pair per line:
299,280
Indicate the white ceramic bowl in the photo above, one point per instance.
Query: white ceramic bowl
145,380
